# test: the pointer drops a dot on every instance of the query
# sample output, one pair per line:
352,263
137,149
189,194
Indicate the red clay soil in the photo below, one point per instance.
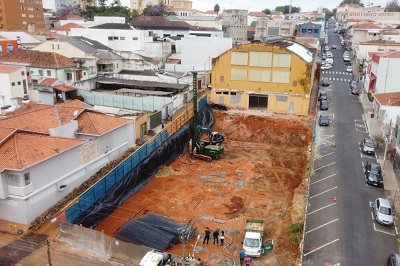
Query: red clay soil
260,174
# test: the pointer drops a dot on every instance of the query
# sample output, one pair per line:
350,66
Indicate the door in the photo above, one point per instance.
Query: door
258,102
142,129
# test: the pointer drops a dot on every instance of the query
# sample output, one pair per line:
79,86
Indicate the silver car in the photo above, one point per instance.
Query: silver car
383,212
367,146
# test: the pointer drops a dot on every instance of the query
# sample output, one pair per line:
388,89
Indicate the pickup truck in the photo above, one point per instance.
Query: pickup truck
253,244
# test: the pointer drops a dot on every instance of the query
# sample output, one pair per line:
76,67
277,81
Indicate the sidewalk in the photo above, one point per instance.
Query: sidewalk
390,179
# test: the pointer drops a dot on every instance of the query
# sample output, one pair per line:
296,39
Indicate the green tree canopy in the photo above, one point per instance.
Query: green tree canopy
216,8
392,6
285,9
351,2
266,11
115,9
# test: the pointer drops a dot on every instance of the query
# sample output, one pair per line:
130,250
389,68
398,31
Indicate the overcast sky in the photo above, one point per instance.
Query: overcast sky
258,5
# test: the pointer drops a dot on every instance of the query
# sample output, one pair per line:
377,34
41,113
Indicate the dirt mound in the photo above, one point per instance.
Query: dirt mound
264,164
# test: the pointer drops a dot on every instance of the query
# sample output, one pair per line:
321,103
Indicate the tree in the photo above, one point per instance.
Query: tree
216,9
156,10
392,6
351,2
285,9
69,11
266,11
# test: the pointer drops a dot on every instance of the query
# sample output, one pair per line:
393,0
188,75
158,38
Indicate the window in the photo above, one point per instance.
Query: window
84,73
238,74
135,38
303,30
48,73
22,73
58,46
260,59
259,75
14,180
24,86
24,22
280,76
52,46
30,8
316,31
22,8
122,38
19,83
27,179
41,72
69,76
31,16
115,37
23,15
12,83
239,59
21,1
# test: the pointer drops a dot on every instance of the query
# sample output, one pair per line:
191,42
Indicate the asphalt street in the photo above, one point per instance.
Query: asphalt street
340,228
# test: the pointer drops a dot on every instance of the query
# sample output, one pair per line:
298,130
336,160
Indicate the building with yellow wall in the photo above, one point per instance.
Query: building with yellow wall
276,77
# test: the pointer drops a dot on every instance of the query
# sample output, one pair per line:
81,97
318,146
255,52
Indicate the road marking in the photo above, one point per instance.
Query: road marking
395,229
319,194
371,204
318,248
322,226
372,216
322,179
327,136
322,156
382,231
324,166
317,210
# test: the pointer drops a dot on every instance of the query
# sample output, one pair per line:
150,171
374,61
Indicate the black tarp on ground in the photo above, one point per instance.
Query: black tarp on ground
136,179
153,230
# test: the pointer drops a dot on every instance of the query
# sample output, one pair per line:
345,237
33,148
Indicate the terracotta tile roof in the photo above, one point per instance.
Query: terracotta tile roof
41,117
69,26
9,69
381,42
277,16
257,14
72,17
251,28
22,150
5,132
210,12
390,98
38,59
94,123
48,81
64,88
394,54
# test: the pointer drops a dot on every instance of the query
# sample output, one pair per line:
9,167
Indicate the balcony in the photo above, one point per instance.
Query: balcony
20,191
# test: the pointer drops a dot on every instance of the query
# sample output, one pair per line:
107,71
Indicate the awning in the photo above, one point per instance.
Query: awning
372,77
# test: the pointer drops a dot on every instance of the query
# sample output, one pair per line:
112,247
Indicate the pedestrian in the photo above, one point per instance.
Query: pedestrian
216,235
241,256
222,237
207,236
247,261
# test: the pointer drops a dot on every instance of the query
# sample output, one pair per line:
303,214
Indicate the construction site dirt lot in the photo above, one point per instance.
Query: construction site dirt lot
262,175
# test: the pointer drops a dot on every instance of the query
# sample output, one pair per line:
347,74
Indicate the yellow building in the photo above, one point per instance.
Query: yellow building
276,77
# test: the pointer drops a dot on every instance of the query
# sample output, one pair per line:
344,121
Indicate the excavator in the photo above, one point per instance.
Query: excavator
206,144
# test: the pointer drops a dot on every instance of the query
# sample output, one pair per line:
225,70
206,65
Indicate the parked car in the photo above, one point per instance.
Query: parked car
323,105
326,48
353,84
346,58
323,120
334,46
349,69
355,91
325,82
373,174
383,212
322,96
393,260
367,146
329,60
326,67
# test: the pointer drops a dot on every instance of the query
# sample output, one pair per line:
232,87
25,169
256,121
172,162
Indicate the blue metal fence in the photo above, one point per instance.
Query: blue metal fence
100,188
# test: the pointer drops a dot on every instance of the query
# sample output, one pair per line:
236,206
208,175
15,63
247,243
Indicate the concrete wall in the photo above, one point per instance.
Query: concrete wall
388,73
206,49
101,35
10,92
362,49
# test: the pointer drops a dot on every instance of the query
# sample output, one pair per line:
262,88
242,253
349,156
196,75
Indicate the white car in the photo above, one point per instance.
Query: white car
326,67
383,212
349,69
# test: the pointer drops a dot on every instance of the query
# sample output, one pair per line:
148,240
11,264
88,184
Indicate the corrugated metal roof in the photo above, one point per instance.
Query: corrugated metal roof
301,51
88,46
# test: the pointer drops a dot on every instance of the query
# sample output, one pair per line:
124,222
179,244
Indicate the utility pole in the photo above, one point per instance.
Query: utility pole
388,139
48,252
